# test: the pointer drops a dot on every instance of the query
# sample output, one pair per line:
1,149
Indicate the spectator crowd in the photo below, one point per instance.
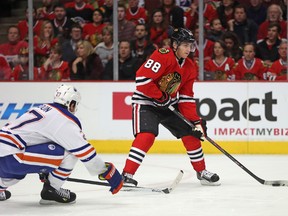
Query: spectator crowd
73,40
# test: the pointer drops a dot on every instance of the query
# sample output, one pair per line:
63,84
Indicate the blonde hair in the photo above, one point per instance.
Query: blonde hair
45,22
88,48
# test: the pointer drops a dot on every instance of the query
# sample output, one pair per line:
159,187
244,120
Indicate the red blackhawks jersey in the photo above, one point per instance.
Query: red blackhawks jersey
140,16
226,66
163,66
257,68
280,69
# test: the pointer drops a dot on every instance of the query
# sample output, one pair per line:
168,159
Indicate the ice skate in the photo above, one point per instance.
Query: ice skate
208,178
50,195
128,179
4,195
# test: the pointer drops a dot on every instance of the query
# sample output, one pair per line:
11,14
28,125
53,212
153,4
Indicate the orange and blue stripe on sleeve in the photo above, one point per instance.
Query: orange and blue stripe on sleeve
84,153
12,140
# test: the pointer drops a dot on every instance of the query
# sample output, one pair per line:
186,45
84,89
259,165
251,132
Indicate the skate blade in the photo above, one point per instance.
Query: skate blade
207,183
53,202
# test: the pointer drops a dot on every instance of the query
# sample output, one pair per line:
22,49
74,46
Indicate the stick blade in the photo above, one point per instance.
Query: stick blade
174,183
277,183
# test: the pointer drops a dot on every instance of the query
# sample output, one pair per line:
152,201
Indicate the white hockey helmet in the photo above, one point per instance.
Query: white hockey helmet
65,94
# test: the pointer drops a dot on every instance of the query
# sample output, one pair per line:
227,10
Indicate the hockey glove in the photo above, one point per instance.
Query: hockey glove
164,102
113,176
200,125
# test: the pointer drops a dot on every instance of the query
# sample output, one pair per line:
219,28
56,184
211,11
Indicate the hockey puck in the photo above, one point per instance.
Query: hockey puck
276,185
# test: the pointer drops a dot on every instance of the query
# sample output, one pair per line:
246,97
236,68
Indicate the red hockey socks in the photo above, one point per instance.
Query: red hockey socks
140,147
194,151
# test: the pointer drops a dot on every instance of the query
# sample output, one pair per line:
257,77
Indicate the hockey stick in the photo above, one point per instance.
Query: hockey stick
166,190
260,180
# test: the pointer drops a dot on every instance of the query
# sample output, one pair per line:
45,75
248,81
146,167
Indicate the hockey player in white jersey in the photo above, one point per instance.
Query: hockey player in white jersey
49,140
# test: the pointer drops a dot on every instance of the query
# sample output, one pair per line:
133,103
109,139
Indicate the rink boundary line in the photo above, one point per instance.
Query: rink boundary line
168,146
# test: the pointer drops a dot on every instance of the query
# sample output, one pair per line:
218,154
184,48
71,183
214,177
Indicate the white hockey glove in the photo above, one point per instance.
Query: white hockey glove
200,125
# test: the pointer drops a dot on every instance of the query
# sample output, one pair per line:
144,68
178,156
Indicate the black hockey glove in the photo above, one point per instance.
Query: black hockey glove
164,102
201,127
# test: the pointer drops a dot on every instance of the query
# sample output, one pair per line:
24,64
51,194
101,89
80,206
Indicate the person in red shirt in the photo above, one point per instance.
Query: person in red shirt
93,31
274,14
220,64
158,28
5,70
192,14
43,43
278,70
249,67
23,25
11,49
54,68
21,70
46,10
168,73
135,13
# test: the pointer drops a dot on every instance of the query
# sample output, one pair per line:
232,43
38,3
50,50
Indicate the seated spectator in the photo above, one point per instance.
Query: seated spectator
54,68
135,13
79,11
244,28
278,70
61,23
93,31
142,46
5,70
46,10
173,14
11,49
43,43
225,11
69,45
249,67
21,70
220,64
87,65
267,50
257,11
192,14
105,49
207,46
158,27
234,50
215,31
107,10
126,28
274,14
127,64
23,25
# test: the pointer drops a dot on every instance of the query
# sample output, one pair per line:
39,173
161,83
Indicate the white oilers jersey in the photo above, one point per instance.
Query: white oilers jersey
49,123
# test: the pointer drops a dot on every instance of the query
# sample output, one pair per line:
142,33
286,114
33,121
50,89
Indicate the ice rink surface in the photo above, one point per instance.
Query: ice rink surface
238,195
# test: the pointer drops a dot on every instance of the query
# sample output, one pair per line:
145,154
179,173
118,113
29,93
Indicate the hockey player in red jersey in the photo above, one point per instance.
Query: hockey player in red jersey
49,140
166,79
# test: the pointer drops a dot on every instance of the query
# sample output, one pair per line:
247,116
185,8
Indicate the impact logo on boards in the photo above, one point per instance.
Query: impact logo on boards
229,108
15,110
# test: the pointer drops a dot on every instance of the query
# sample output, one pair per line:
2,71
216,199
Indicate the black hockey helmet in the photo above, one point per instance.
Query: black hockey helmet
180,35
